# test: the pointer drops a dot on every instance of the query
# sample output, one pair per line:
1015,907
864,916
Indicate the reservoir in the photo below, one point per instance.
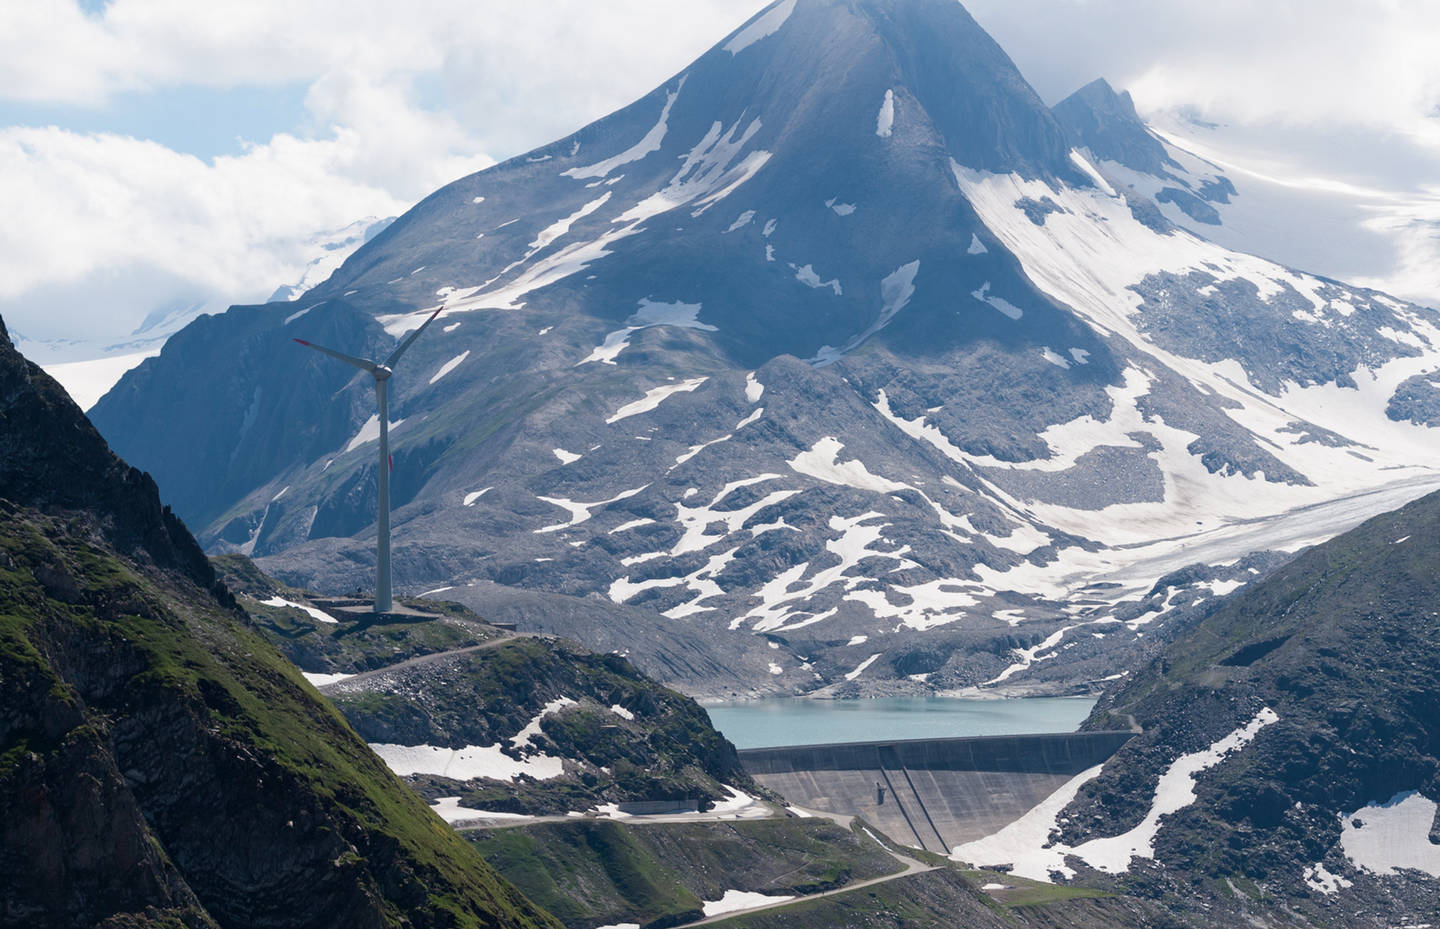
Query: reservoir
790,721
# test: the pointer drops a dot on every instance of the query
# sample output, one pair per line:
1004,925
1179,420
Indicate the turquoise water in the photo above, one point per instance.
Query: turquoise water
769,723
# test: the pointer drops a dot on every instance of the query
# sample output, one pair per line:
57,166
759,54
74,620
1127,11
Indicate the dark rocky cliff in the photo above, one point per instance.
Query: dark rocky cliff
160,763
1341,646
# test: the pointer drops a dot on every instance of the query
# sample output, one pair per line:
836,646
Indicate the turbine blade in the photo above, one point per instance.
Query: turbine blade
400,350
360,363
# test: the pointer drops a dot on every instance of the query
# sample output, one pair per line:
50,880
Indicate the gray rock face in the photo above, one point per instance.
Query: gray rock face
1417,400
1097,118
1325,798
1275,337
828,357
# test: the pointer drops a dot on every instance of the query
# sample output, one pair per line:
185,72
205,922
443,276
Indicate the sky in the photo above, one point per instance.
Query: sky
162,155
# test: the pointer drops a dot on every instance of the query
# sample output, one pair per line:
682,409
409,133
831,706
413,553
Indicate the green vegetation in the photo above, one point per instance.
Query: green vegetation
225,694
589,873
658,746
351,646
595,872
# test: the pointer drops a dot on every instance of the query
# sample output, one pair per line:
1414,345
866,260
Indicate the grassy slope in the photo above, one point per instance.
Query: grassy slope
62,599
597,872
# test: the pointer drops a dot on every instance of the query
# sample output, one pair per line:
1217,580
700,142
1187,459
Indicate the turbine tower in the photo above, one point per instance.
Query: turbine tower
381,373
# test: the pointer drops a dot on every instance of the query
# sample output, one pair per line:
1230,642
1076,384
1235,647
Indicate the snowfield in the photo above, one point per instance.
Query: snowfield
1026,846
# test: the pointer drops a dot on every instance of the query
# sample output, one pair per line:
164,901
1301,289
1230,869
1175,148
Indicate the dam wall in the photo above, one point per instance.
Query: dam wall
933,794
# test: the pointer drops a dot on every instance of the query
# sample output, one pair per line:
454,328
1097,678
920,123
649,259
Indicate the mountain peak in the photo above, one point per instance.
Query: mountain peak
1098,118
932,51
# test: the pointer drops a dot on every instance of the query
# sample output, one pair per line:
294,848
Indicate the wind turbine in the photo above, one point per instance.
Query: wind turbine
381,373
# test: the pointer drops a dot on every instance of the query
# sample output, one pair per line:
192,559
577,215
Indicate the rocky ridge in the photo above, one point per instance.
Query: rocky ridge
1289,753
835,356
160,763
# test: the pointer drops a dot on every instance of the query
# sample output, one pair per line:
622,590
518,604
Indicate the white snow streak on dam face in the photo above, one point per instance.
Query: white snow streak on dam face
937,793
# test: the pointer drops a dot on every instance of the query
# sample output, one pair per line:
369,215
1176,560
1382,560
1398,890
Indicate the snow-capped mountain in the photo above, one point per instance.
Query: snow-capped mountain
1303,198
328,251
837,350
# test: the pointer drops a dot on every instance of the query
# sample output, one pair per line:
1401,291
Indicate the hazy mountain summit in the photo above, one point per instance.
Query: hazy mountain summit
838,353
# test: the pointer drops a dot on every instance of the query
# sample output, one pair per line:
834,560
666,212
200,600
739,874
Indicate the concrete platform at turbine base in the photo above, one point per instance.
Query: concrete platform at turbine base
360,609
933,794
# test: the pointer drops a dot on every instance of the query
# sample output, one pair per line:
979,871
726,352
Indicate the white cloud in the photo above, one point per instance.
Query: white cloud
109,228
1331,63
105,229
519,74
401,98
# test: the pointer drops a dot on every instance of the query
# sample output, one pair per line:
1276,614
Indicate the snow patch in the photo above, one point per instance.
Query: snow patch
1320,879
860,668
811,278
1025,843
650,143
450,810
740,222
564,456
895,292
320,680
370,432
463,764
735,900
525,736
580,512
763,26
1084,164
885,119
754,390
562,226
296,315
1004,306
650,313
1383,837
654,397
471,497
316,614
450,365
621,712
821,463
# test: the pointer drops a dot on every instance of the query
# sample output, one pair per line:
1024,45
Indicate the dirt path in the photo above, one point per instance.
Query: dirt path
911,867
418,661
764,811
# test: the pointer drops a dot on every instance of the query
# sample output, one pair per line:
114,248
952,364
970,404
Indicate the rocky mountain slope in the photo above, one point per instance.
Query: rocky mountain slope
160,763
494,721
1290,752
835,354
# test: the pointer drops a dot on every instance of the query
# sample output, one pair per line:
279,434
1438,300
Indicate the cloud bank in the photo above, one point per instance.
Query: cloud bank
107,228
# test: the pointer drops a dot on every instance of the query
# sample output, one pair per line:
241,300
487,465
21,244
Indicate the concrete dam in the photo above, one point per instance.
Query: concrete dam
933,794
